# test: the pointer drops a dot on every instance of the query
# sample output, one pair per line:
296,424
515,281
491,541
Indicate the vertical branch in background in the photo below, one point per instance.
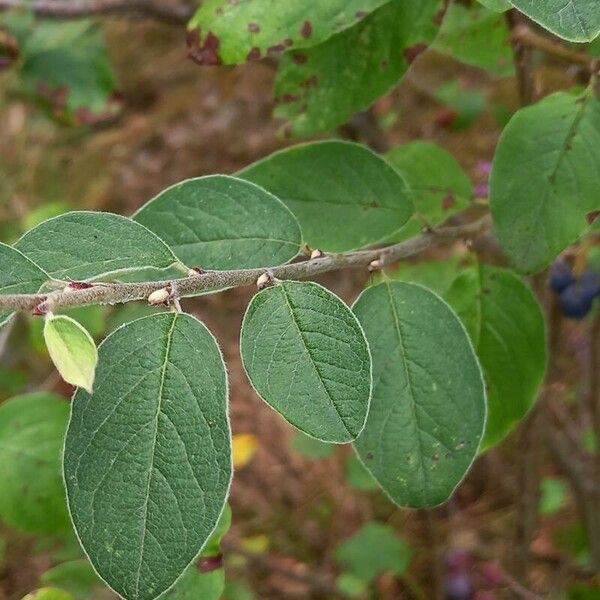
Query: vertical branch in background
529,443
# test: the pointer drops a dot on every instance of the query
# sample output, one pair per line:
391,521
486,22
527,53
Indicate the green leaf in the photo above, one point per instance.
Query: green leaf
48,593
18,275
374,550
507,328
72,350
198,586
307,357
88,245
574,20
148,456
440,186
326,184
76,577
358,477
65,67
321,87
32,428
478,37
221,222
224,32
553,498
542,193
428,412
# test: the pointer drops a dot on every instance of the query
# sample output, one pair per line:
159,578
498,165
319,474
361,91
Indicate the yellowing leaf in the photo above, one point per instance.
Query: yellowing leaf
245,446
48,593
72,350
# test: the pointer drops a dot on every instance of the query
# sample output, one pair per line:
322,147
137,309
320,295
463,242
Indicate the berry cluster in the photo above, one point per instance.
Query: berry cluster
576,294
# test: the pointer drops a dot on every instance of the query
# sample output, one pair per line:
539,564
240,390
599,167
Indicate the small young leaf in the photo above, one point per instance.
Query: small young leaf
321,87
506,326
224,32
307,357
88,245
221,222
72,350
32,428
344,196
440,186
148,457
18,275
373,551
428,412
574,20
541,195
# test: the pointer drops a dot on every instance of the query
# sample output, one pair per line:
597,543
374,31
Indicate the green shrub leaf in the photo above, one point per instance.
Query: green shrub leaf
87,245
148,457
506,325
72,350
344,196
496,5
221,222
574,20
541,194
440,186
32,428
224,32
321,87
18,275
428,412
307,357
49,593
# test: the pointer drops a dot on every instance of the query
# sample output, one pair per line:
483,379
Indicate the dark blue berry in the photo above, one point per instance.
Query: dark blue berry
458,586
576,301
590,282
561,276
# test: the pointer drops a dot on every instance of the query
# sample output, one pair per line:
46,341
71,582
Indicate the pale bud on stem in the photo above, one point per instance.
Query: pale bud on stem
265,280
316,254
160,297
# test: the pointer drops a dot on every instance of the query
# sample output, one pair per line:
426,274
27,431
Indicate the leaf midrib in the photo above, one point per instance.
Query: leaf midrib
163,372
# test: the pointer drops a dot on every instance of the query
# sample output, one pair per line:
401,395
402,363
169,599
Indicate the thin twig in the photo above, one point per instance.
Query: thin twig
118,293
522,59
174,14
522,34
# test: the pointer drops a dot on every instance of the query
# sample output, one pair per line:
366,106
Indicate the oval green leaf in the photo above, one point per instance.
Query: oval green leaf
32,428
440,186
18,275
88,245
72,350
573,20
307,357
428,412
321,87
344,196
49,593
507,328
220,222
148,457
541,194
225,32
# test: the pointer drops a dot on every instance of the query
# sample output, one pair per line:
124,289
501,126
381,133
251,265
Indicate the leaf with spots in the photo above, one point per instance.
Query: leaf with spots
32,428
88,245
545,178
573,20
343,195
221,222
18,275
440,186
321,87
428,411
307,357
506,325
232,32
148,456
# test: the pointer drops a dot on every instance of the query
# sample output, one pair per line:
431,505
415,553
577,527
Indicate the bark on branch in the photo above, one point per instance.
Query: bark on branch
118,293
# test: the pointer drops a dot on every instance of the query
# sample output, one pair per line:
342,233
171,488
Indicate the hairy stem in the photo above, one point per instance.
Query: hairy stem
117,293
